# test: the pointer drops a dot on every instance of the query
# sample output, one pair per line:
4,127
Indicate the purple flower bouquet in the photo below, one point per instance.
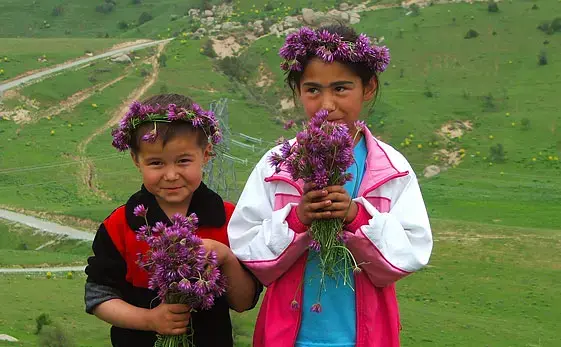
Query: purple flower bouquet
179,268
322,154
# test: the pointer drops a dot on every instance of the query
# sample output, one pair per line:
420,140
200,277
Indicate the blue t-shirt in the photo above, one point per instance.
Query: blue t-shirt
335,325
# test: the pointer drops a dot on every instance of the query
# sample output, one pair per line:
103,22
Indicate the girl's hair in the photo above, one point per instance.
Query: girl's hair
365,74
168,131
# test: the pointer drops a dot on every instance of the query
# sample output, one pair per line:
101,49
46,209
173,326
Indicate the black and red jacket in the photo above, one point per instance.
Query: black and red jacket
113,272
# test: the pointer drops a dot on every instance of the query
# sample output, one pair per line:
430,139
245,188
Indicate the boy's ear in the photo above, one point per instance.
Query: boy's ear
134,158
207,154
370,89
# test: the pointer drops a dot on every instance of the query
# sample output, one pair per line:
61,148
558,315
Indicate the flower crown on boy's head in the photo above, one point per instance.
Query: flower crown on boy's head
139,114
329,47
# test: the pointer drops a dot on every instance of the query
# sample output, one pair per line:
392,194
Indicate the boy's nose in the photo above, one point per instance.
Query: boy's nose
170,174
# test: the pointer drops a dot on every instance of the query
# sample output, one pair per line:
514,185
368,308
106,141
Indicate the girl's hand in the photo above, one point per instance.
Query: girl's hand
313,205
340,204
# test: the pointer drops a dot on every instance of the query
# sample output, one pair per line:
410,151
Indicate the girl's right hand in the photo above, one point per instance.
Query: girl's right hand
311,207
170,319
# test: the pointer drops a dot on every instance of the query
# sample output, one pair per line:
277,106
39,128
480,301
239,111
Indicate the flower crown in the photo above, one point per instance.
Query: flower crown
330,47
139,114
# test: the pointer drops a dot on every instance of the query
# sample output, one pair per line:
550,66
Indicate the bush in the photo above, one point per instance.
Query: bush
144,17
57,11
535,7
489,103
162,60
233,68
55,336
136,2
551,27
492,6
525,124
415,10
144,72
122,25
471,34
42,320
542,58
107,7
208,50
497,153
269,7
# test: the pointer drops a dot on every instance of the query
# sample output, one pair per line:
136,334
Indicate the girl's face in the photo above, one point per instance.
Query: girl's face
335,88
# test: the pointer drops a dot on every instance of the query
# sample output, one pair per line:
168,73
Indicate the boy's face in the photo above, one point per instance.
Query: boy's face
172,173
335,88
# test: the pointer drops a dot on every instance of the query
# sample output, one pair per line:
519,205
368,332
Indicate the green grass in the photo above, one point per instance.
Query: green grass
19,55
51,91
18,246
486,285
59,192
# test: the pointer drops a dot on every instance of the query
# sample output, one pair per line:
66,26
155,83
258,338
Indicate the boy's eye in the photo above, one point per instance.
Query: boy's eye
155,163
184,161
340,89
312,90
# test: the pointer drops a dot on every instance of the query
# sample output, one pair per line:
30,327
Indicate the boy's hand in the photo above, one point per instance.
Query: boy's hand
340,204
313,205
223,252
170,319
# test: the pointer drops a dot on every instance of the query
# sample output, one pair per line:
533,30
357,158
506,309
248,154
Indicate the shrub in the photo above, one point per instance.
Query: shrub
144,17
492,6
471,34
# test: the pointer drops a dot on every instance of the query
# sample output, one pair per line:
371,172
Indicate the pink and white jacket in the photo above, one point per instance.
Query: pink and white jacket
391,236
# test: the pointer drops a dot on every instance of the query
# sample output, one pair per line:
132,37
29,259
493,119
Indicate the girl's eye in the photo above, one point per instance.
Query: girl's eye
184,161
312,90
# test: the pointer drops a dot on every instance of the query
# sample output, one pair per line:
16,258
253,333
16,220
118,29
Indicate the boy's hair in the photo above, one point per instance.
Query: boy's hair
168,131
361,69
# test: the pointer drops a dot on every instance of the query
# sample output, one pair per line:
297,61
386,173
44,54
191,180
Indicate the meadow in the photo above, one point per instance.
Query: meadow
484,109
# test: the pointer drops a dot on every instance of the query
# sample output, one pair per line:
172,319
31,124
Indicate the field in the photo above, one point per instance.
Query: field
484,109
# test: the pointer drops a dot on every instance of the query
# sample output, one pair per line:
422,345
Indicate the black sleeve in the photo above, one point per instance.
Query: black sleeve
258,287
106,271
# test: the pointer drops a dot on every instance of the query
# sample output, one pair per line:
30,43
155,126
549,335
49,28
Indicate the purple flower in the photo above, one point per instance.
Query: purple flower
342,237
360,125
140,211
315,246
289,125
295,305
329,47
150,136
316,308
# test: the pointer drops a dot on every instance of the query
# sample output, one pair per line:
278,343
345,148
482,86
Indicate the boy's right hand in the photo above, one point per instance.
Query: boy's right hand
310,207
170,319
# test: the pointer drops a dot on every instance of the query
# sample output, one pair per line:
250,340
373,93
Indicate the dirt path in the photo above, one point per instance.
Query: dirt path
87,171
77,98
43,269
46,226
28,77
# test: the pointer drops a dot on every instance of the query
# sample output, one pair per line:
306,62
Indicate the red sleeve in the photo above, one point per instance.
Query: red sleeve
219,234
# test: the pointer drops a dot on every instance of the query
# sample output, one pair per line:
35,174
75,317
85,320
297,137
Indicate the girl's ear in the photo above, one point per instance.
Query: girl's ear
370,89
134,158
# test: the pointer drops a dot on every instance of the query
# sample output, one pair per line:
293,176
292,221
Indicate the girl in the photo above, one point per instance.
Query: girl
386,227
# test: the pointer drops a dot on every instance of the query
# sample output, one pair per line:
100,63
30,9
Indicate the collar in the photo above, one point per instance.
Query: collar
206,204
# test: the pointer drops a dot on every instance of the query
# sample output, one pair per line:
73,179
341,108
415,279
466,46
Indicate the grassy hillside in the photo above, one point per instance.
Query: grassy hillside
492,83
21,55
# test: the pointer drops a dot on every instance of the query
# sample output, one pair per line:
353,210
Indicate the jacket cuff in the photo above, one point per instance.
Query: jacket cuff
362,218
294,222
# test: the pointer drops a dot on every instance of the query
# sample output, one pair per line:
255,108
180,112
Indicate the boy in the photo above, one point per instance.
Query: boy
170,139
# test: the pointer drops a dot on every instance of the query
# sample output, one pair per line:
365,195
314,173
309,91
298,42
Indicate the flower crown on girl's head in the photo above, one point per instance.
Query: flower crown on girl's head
329,47
139,114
